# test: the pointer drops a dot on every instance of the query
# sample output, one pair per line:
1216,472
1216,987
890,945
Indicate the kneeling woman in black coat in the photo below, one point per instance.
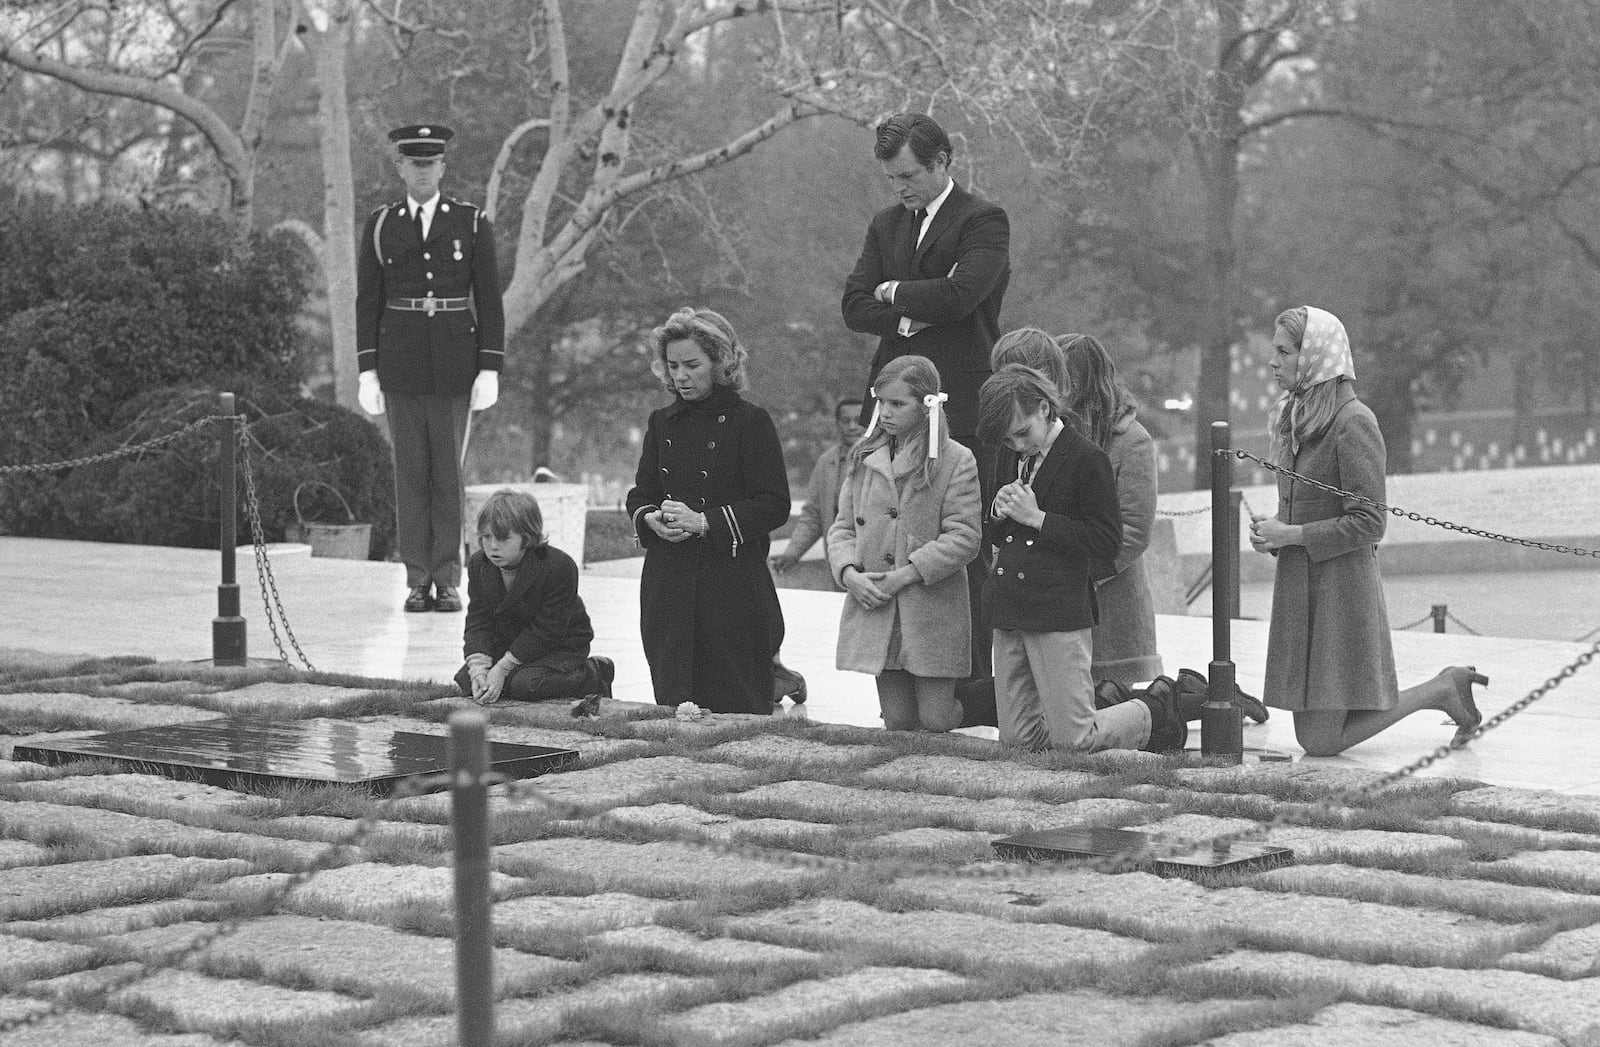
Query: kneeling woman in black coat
710,486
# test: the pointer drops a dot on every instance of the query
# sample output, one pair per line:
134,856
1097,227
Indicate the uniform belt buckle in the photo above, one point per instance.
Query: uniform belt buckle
428,304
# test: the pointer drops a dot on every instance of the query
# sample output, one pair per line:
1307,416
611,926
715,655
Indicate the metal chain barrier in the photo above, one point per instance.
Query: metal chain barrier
264,565
1406,514
1464,626
121,452
1412,625
1183,512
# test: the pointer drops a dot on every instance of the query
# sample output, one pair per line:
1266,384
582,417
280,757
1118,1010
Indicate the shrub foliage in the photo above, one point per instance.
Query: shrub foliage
118,326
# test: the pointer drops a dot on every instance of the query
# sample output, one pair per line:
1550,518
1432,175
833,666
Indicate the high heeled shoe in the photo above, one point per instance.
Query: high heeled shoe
1468,719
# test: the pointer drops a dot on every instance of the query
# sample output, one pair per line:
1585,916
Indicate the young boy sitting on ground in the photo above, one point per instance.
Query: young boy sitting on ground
527,634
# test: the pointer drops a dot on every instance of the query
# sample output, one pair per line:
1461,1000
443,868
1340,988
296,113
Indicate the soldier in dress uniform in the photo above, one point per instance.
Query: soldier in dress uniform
430,339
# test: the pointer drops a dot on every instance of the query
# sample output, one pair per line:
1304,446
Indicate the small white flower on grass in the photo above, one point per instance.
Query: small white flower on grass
692,712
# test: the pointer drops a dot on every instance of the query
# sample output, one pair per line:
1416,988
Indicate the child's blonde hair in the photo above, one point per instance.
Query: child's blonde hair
922,379
509,512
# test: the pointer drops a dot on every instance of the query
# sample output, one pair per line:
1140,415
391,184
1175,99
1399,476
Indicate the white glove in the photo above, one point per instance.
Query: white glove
485,390
370,393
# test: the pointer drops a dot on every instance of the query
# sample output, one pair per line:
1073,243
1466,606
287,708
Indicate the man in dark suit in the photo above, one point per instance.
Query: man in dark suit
929,282
933,270
430,343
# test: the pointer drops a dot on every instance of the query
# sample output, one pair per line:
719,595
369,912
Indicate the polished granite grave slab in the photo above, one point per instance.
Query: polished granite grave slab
249,752
1144,850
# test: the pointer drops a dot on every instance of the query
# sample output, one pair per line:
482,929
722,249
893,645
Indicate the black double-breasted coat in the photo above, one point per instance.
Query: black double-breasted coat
1041,578
708,610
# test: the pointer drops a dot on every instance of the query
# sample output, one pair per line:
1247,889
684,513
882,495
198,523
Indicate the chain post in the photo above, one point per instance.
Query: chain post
228,629
1440,612
469,823
1221,719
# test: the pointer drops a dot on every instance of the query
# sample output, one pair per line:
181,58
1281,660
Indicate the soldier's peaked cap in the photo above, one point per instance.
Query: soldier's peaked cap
421,139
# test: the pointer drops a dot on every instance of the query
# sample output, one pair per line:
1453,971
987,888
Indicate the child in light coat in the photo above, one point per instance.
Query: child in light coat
908,523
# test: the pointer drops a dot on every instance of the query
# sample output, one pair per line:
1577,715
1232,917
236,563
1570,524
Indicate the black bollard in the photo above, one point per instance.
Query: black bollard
469,824
1439,611
228,640
1221,720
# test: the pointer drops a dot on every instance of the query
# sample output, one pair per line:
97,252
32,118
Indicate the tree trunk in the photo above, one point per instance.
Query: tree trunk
536,342
330,51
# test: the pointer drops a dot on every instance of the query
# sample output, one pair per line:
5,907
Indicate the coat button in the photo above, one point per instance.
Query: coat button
1028,542
426,256
663,470
894,514
428,275
712,446
722,418
999,570
701,502
704,474
1021,575
1009,537
861,521
669,441
888,557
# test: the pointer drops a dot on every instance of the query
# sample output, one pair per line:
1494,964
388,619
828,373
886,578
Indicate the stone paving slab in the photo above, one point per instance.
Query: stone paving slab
770,750
1572,870
958,941
1309,844
1158,908
658,869
644,780
11,771
1070,1019
195,1002
680,820
290,698
104,1030
1569,1010
1533,807
1520,837
825,802
118,919
1400,888
807,1005
15,853
369,890
39,891
97,713
364,959
707,955
930,844
148,794
23,959
979,779
556,915
1362,1025
114,830
1568,955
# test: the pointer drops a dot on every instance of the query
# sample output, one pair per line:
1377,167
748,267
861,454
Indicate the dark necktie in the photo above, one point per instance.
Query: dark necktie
416,220
1030,465
917,217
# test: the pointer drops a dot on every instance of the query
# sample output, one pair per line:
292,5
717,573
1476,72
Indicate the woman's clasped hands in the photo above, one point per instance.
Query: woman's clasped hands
675,521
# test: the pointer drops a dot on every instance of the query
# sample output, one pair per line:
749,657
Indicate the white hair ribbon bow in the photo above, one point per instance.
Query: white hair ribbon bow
872,423
933,402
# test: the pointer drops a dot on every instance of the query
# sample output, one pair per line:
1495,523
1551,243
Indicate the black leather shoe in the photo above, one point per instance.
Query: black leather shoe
449,599
1169,732
1110,692
602,671
420,598
978,708
1190,681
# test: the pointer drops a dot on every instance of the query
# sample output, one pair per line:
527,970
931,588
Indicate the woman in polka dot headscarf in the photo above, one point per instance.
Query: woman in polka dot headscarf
1329,656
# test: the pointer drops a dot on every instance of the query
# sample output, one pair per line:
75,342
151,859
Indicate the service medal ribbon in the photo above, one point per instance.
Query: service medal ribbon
458,249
